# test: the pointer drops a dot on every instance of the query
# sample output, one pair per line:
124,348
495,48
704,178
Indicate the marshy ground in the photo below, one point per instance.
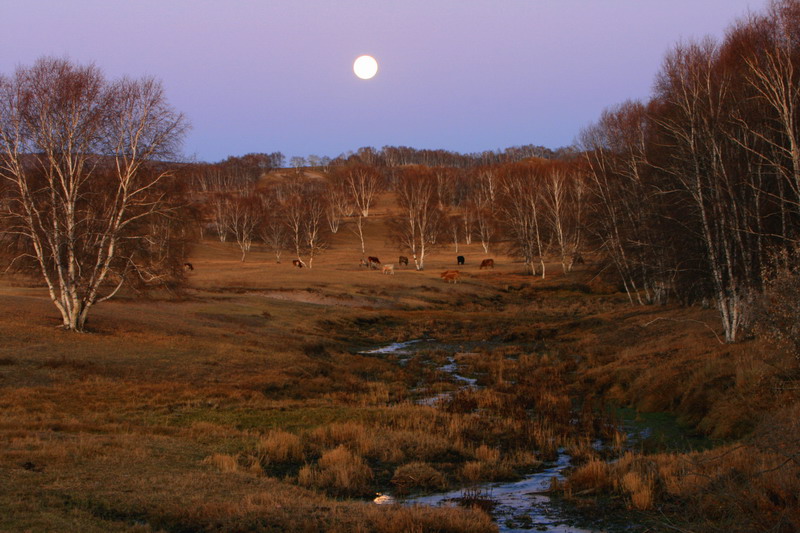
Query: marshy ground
244,403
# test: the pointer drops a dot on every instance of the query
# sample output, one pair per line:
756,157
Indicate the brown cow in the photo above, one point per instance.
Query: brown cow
403,260
188,266
298,263
450,276
487,263
374,262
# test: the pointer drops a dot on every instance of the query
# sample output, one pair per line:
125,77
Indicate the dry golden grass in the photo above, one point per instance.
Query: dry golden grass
593,474
640,489
242,404
225,463
280,447
418,475
339,471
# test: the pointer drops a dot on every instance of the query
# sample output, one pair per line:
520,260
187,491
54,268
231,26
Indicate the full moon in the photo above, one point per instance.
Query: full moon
365,67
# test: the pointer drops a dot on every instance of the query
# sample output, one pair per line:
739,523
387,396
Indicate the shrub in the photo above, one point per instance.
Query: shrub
280,447
225,463
486,454
640,489
592,475
418,476
339,471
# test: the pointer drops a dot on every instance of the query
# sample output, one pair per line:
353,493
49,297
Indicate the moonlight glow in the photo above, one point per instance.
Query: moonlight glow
365,67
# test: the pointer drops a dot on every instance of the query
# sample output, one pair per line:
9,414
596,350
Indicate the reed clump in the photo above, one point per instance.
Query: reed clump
340,472
224,463
279,446
418,475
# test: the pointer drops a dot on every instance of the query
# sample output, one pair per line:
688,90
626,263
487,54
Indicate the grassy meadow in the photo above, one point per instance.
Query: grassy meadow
242,403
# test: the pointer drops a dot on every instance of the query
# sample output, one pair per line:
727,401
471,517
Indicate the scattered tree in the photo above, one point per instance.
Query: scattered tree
421,219
79,158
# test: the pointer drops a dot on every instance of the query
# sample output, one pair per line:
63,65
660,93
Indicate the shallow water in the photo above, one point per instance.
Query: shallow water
398,348
521,505
518,505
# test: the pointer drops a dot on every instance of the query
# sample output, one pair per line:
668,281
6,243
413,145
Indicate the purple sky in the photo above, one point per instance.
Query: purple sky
463,75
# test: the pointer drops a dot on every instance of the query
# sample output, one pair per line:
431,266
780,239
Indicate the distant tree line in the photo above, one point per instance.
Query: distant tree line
233,173
399,156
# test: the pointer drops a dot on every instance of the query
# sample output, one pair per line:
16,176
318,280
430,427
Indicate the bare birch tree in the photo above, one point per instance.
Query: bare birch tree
484,200
556,198
615,150
76,153
522,212
303,213
421,219
241,220
218,206
695,92
271,228
774,74
337,206
360,183
314,223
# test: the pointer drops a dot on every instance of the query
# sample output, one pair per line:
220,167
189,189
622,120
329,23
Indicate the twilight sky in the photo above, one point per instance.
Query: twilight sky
463,75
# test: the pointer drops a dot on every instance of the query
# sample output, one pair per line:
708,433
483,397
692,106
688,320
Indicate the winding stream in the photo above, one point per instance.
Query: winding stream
522,505
519,505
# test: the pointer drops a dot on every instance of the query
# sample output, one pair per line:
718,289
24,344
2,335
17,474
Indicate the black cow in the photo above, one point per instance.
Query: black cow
460,259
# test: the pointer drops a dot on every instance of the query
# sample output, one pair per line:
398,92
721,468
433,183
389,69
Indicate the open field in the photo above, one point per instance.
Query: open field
243,403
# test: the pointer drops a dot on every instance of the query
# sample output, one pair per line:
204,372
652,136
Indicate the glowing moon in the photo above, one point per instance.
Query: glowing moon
365,67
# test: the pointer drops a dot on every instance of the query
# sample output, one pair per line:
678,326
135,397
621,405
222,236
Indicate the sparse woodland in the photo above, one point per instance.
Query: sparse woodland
653,266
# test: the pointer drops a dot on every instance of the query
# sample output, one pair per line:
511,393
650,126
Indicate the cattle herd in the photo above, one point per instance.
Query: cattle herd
450,276
373,263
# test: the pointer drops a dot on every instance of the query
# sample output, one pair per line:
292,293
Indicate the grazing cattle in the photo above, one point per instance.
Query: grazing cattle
374,262
403,260
388,269
298,263
460,259
450,276
487,263
188,266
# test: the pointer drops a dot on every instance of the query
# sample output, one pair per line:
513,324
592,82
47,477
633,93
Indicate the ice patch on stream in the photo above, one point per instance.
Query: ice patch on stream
518,506
394,348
